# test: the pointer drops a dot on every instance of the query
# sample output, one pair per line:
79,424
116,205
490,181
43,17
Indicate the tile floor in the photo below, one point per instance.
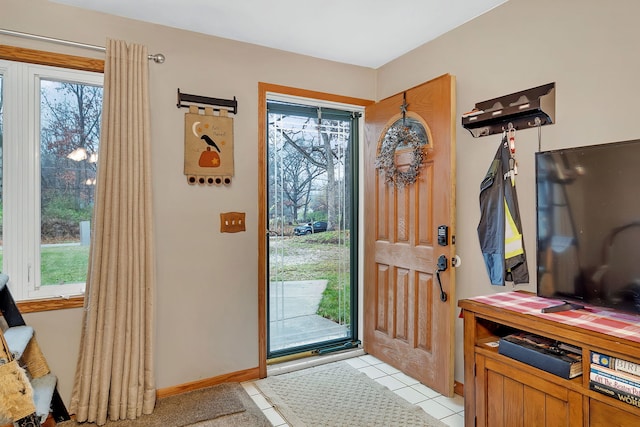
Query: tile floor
448,410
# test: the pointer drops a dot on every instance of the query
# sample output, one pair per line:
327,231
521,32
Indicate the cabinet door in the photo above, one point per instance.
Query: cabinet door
603,415
508,397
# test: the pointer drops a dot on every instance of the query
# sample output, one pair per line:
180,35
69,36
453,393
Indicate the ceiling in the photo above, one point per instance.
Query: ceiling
368,33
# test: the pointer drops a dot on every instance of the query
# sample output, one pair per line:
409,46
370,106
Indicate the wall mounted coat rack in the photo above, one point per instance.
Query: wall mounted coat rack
525,109
227,104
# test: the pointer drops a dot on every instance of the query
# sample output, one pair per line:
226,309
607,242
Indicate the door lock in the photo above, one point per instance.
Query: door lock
443,235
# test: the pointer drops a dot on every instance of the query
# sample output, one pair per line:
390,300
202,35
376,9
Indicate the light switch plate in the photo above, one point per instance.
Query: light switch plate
232,222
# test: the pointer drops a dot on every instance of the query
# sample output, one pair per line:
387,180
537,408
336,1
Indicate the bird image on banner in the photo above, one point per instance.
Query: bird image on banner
210,141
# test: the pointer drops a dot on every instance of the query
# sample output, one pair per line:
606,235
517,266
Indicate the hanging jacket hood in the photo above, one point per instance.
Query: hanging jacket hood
500,228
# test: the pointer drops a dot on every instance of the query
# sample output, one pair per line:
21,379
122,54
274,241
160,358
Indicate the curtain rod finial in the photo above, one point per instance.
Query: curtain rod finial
157,58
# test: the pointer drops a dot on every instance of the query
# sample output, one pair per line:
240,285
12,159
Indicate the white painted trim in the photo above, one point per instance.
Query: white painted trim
21,175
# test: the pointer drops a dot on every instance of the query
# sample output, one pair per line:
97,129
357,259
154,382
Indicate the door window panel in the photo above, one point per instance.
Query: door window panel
312,224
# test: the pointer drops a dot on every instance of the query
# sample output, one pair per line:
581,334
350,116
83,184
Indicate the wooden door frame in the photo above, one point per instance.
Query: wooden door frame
263,90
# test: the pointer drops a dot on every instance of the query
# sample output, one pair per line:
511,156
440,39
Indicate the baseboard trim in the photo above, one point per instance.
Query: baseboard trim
458,388
238,376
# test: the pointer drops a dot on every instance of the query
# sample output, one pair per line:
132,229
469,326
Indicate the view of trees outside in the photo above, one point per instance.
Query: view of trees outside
70,115
309,180
310,169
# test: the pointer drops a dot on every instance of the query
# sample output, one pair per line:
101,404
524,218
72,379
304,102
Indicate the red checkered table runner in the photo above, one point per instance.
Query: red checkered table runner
615,323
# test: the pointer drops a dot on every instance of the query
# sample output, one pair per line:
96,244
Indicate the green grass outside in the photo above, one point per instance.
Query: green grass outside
336,300
321,262
62,264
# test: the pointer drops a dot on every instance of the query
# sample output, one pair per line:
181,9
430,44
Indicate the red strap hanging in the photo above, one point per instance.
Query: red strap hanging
511,138
511,134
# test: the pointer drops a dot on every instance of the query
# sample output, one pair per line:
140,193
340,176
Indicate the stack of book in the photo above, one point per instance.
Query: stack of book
615,377
552,356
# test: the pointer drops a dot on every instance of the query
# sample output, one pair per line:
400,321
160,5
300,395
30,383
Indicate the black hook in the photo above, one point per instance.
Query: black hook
403,108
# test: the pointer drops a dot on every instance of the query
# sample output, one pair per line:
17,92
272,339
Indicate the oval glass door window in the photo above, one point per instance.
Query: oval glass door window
412,124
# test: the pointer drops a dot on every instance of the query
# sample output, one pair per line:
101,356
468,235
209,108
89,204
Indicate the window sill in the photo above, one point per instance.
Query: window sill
49,304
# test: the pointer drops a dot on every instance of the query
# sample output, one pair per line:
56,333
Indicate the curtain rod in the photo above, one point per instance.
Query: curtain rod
158,57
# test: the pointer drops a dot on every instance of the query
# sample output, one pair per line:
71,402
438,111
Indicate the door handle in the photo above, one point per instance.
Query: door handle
443,264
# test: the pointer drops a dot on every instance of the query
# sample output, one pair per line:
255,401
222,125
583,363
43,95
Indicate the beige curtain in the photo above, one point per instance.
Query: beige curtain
115,373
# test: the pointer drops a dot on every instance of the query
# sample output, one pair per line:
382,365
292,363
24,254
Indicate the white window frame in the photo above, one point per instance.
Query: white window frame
21,176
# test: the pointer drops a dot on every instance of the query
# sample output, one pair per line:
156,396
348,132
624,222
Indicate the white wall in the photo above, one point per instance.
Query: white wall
207,281
589,48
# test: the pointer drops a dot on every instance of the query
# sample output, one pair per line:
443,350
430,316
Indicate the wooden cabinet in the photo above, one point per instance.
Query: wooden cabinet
503,392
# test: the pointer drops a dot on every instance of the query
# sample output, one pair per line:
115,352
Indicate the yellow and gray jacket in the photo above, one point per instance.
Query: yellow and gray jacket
500,228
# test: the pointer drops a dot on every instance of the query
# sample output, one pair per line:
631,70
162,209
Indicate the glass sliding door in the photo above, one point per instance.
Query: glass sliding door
312,213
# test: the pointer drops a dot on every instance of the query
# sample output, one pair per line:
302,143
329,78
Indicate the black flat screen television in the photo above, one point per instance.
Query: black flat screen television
588,224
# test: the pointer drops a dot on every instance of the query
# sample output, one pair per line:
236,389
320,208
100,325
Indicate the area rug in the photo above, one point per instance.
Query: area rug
223,405
337,394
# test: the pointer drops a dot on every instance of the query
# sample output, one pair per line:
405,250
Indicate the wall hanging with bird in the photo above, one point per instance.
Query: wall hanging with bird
208,147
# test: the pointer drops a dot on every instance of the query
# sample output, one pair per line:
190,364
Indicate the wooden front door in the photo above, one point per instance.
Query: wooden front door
406,324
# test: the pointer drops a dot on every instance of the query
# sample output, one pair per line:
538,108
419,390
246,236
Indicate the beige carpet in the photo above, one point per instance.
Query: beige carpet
223,405
339,395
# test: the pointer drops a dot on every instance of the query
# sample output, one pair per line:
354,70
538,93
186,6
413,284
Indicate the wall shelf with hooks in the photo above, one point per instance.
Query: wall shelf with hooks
522,110
227,104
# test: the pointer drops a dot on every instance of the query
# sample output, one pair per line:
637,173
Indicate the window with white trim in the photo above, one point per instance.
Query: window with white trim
49,136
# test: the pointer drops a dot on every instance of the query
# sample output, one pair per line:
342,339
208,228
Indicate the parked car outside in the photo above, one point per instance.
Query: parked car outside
315,227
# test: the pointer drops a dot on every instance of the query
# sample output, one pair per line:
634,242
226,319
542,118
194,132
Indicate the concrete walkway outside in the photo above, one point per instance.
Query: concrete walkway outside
292,311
